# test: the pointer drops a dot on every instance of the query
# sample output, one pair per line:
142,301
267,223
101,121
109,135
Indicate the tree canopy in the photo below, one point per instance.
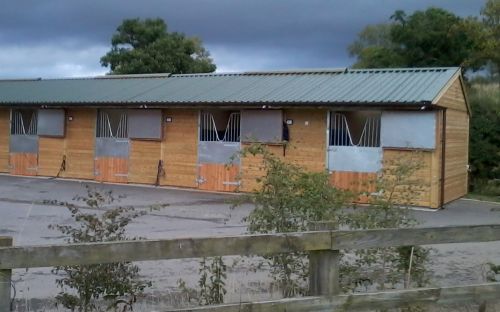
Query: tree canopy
145,46
434,37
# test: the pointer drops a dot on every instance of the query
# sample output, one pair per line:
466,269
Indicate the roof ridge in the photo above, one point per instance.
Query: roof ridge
401,69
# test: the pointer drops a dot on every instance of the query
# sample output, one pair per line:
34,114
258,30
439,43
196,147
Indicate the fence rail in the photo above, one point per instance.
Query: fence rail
323,248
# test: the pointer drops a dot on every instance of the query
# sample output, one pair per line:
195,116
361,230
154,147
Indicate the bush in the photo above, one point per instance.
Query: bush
291,198
116,284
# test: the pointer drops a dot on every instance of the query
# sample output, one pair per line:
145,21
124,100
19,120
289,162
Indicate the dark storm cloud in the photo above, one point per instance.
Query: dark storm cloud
68,37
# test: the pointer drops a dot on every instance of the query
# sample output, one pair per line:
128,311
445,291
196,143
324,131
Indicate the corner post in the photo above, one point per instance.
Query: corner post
5,279
323,266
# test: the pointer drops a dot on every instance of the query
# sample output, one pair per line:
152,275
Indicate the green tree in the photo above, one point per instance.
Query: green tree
485,137
434,37
374,48
491,46
145,46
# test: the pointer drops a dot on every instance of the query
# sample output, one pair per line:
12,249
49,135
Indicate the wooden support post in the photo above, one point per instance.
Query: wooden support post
5,279
323,266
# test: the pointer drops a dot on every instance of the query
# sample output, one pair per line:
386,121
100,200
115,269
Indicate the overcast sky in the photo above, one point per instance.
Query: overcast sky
61,38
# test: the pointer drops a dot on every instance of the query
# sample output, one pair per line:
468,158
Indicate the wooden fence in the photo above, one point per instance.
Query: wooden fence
323,247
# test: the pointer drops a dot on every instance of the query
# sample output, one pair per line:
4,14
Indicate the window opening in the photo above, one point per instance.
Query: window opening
24,122
220,126
112,124
355,129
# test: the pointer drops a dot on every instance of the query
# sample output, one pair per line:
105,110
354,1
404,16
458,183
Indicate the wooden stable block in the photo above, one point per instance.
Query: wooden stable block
111,169
23,164
218,177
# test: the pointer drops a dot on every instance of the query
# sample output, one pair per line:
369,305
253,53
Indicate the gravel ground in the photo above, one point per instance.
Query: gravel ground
26,212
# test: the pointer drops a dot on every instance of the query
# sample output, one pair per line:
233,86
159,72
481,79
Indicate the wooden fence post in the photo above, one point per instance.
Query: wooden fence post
5,279
323,266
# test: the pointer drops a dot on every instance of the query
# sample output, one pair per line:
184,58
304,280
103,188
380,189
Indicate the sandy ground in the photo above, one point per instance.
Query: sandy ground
25,215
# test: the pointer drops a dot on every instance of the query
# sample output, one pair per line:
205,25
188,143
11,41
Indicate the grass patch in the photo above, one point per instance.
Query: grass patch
491,198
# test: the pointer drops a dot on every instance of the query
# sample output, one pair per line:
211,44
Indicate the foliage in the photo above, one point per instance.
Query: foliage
374,48
491,19
396,187
118,284
485,139
212,281
211,284
434,37
145,46
288,200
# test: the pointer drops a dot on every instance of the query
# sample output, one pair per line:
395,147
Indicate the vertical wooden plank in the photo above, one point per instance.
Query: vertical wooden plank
4,139
324,266
5,279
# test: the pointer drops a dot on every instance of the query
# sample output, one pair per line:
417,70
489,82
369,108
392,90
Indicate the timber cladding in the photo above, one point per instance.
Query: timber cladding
456,155
80,143
306,148
143,161
179,148
75,149
416,190
4,139
23,164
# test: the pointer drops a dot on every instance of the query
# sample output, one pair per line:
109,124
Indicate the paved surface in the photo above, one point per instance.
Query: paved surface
27,208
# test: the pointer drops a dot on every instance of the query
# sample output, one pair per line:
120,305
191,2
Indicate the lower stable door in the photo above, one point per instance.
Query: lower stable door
23,156
111,161
23,164
218,177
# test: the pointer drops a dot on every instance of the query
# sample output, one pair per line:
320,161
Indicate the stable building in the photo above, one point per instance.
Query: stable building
182,130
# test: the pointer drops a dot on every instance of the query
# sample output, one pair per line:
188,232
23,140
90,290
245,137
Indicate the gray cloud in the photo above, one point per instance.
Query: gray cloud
66,38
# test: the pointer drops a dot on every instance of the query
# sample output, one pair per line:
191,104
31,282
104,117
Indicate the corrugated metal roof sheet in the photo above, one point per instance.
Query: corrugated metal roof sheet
319,87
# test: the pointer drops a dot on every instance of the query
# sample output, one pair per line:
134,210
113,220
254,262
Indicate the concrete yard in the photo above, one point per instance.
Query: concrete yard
27,208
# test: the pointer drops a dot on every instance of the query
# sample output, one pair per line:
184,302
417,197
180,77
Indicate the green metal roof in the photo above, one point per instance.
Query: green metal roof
302,87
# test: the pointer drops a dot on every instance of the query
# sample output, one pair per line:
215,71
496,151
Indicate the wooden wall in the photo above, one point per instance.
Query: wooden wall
307,146
416,190
179,149
143,161
80,143
457,142
4,140
50,156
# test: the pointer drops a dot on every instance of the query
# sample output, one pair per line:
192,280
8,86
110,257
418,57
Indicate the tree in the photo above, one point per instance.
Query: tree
374,48
491,46
145,46
485,139
434,37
